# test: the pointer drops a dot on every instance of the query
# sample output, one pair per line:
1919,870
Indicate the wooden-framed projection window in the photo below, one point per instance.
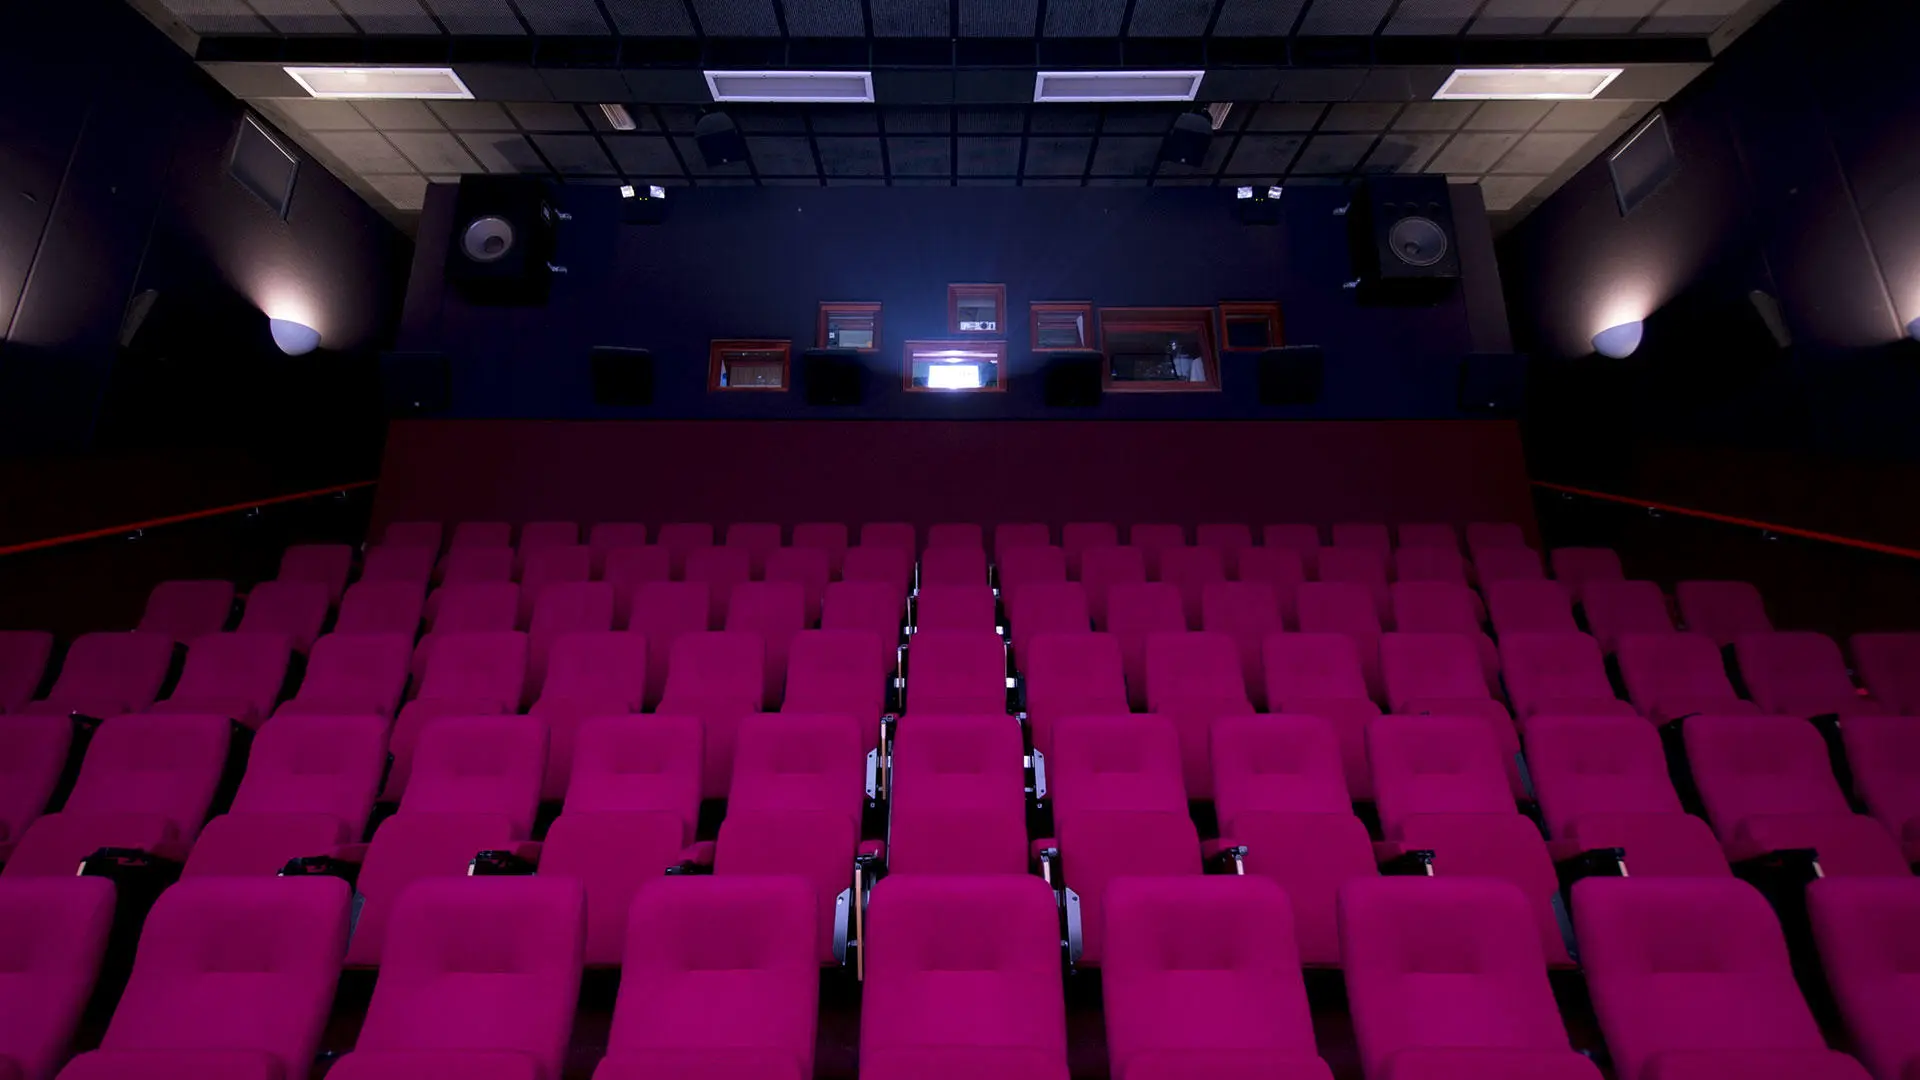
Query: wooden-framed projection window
1249,326
1159,349
748,365
1059,327
850,326
977,309
955,366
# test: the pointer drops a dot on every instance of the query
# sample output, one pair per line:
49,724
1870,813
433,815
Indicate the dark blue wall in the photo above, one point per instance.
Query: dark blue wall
735,263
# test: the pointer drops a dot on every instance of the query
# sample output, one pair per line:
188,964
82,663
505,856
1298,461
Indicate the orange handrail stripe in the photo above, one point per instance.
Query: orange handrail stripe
1725,519
122,530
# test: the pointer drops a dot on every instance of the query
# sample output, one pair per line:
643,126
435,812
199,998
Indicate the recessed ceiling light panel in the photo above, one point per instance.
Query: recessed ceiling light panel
380,82
1083,86
1526,84
813,86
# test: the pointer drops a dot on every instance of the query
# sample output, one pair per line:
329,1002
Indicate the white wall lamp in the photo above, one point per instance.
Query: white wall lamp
1619,342
1913,329
294,339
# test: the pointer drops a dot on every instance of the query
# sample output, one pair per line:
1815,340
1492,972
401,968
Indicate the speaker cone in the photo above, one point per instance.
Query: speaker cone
1417,241
487,239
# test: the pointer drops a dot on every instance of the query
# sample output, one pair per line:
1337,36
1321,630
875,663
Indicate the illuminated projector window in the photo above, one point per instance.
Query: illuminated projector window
748,365
955,365
1159,349
1059,326
850,326
977,309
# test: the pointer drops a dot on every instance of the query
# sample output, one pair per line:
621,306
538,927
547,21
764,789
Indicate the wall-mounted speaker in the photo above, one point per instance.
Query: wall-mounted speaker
416,383
833,376
1295,375
1493,384
1074,380
719,140
503,240
622,377
1400,230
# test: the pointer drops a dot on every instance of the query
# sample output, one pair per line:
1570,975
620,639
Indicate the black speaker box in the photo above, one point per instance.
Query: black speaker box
622,377
1493,384
503,240
719,140
1401,231
416,383
1187,142
1074,380
1294,375
833,376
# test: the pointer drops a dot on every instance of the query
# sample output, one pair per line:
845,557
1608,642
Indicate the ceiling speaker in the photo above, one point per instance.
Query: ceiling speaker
1187,142
720,141
1401,230
503,240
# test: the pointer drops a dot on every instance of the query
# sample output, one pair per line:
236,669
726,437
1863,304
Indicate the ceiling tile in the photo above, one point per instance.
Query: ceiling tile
1065,120
1335,18
784,155
790,181
503,152
472,115
850,156
679,117
216,16
1264,155
1542,153
398,115
1057,156
389,16
648,155
855,181
998,18
574,155
1126,155
920,156
1432,17
1360,116
476,16
315,115
825,18
1692,16
546,116
1144,119
918,121
1505,192
434,152
1085,18
1333,154
1405,152
989,156
576,18
736,18
1434,116
987,182
1182,181
1472,154
1170,18
1517,17
366,153
697,165
1284,117
1115,181
1605,16
402,192
650,18
921,181
1509,115
1052,182
726,181
303,16
1257,18
846,120
992,121
1582,115
910,18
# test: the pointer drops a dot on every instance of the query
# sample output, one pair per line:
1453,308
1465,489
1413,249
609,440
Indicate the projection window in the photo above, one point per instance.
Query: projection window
850,326
1159,349
1059,326
977,309
955,365
748,365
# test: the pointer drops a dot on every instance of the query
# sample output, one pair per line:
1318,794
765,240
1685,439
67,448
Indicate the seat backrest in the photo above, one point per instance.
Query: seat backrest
1223,537
680,538
1661,667
1429,563
608,535
1010,536
1072,673
535,535
573,608
425,534
1507,564
382,607
109,673
723,569
1312,666
879,562
1244,609
1027,564
1527,607
776,611
23,664
1722,610
1614,608
871,606
806,567
955,607
487,666
627,568
1361,534
236,668
1303,538
1597,765
295,609
554,564
1152,539
1077,537
315,764
1573,566
957,805
398,562
475,564
1279,763
632,763
1544,667
1140,608
167,766
1435,765
184,610
1868,932
1434,607
481,534
53,930
323,564
1338,607
1430,666
963,534
1494,534
357,672
473,606
958,565
837,671
956,671
1102,568
1116,762
1191,570
828,536
664,611
1889,664
1360,565
799,761
758,538
1047,607
715,664
1429,535
1747,765
605,667
1282,569
1193,665
479,765
1794,671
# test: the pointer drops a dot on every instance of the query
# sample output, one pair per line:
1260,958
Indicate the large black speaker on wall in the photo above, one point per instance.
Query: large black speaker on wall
1074,379
503,240
719,139
833,376
622,376
1493,384
416,383
1401,232
1295,375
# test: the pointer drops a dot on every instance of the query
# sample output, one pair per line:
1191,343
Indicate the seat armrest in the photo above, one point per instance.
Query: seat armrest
1224,856
696,858
1398,860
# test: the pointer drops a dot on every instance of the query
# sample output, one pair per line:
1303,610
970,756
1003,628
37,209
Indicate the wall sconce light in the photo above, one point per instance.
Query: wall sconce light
1913,329
294,339
1619,342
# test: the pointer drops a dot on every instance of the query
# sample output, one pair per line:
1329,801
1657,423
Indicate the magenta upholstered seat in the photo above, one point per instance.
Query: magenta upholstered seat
1798,673
956,534
957,671
1767,785
1575,566
1443,674
1245,611
776,611
1011,535
33,754
230,968
958,804
1689,966
315,764
106,674
608,535
718,980
1432,564
399,562
382,607
1365,567
472,565
467,675
1229,539
759,539
1889,665
718,678
638,763
487,966
427,534
1722,610
1312,856
535,535
1558,673
55,844
1203,965
1191,570
294,609
955,607
1439,607
1428,535
1530,607
1153,540
1345,607
259,845
479,765
166,766
1669,676
628,570
1302,540
1033,564
481,534
23,664
1045,607
1435,765
837,671
827,536
1102,569
406,849
1493,564
1320,675
184,610
1277,763
589,674
1135,611
1868,932
1494,534
884,563
816,846
1443,967
872,606
1884,752
473,606
664,612
1507,847
1617,608
1078,537
234,675
1602,782
1194,680
614,854
892,534
1282,570
798,761
53,932
351,675
1069,675
681,539
549,568
805,567
1361,534
968,964
723,569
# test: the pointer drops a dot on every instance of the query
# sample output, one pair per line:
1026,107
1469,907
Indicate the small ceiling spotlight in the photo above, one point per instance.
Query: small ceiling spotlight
294,339
1619,342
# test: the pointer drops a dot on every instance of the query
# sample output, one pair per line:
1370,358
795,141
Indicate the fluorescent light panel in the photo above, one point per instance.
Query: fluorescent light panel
380,82
1070,86
1526,84
815,86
